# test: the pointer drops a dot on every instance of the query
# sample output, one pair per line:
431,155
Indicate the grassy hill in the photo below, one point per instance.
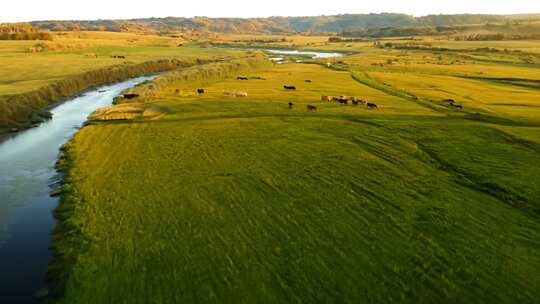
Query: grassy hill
274,25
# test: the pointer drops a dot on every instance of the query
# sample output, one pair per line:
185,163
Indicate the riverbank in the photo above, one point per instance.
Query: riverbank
25,184
22,111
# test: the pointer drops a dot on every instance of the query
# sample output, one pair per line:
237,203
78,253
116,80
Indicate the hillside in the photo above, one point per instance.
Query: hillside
509,30
317,24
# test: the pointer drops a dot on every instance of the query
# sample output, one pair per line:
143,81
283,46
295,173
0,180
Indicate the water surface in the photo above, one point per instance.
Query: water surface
311,54
26,171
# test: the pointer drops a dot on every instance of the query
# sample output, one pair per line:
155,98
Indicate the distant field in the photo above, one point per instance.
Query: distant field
23,71
241,199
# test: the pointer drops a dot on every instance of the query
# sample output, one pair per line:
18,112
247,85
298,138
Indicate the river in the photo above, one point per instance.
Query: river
26,172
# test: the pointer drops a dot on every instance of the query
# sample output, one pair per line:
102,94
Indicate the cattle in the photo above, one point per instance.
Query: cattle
326,98
343,101
290,88
355,102
291,105
200,91
91,55
451,103
177,91
307,80
371,105
236,93
311,108
242,78
130,96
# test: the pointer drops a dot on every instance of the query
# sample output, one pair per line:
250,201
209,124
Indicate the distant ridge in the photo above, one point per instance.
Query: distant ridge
279,25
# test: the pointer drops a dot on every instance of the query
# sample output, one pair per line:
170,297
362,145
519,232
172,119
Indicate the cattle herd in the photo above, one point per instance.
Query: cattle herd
344,100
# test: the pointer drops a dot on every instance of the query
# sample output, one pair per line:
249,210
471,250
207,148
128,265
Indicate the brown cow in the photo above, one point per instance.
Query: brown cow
311,108
371,105
326,98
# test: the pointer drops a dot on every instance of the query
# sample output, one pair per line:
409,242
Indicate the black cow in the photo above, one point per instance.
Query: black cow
131,96
242,78
200,91
311,108
291,105
291,88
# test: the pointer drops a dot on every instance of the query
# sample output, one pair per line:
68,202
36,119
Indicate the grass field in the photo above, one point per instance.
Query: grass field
30,81
23,71
241,199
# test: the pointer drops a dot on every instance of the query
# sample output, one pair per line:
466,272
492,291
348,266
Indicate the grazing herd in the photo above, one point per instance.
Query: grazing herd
343,100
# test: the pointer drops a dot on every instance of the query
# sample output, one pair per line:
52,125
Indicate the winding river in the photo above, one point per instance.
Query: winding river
311,54
26,172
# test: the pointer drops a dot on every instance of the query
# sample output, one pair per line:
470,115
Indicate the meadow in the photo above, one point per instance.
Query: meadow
220,198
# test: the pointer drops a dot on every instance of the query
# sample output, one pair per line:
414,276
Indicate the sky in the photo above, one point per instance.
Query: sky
28,10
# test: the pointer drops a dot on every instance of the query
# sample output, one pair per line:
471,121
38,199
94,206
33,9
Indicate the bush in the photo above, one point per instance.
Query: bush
22,31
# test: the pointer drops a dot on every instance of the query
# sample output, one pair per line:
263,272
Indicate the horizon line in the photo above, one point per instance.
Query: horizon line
269,17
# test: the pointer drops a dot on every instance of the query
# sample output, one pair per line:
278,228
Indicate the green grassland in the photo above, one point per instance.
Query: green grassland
241,199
